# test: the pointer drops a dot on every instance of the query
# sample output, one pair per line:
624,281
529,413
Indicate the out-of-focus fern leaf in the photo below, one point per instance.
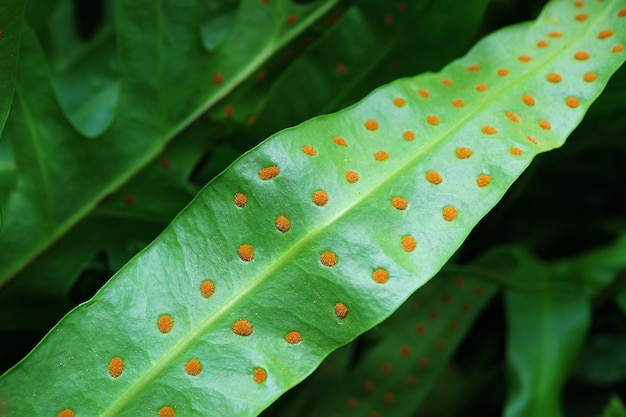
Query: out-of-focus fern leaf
11,14
547,319
410,351
321,232
167,79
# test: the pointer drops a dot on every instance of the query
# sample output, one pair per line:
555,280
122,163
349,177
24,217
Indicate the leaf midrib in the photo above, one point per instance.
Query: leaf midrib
273,267
115,183
229,86
37,153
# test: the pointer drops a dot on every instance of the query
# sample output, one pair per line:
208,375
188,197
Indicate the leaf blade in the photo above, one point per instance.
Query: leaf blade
281,282
547,327
152,80
11,16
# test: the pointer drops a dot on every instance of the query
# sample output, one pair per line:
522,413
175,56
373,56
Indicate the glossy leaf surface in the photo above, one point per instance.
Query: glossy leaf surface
122,225
127,221
409,351
321,232
340,68
162,90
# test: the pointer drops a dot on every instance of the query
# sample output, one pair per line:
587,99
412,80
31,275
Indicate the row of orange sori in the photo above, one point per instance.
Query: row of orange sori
243,327
370,385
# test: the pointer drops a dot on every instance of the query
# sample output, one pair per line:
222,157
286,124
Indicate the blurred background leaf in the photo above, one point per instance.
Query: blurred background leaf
615,408
11,15
75,34
166,77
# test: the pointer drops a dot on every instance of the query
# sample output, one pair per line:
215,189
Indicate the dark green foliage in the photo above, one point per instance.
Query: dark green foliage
119,112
